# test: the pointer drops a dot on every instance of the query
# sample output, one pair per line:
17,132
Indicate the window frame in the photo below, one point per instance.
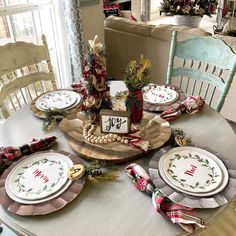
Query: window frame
59,32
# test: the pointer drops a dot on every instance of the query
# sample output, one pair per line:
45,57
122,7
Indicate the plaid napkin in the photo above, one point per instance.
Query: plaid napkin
191,105
178,214
9,154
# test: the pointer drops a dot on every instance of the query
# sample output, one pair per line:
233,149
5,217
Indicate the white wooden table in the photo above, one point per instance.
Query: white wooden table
115,208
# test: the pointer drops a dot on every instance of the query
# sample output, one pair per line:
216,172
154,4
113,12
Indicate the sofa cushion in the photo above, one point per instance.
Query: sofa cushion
160,32
129,26
164,32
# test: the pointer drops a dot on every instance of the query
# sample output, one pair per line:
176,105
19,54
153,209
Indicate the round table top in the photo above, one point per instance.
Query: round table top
115,208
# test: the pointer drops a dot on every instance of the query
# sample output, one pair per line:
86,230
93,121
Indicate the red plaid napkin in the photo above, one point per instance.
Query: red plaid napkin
191,105
9,154
177,213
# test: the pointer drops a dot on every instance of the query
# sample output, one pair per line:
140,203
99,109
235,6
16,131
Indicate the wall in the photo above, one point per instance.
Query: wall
93,22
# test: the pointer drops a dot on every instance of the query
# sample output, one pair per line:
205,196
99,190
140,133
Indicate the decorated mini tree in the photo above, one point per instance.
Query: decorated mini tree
93,86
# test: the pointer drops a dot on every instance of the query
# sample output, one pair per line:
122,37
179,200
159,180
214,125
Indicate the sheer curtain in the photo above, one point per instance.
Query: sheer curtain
145,10
75,37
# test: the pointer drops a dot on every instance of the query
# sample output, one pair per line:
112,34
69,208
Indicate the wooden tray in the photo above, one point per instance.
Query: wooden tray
155,107
154,129
45,207
41,114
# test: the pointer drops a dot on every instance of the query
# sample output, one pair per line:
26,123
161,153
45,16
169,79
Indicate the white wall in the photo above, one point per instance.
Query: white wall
93,22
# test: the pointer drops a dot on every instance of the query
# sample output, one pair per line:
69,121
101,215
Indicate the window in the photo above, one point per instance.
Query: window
27,20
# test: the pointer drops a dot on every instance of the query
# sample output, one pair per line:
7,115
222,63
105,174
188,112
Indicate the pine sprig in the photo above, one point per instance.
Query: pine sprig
109,176
52,117
180,137
96,172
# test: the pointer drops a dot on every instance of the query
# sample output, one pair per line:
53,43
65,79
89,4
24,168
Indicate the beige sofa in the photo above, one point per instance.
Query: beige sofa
126,40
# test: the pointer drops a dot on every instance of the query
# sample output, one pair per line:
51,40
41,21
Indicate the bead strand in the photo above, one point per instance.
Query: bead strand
88,135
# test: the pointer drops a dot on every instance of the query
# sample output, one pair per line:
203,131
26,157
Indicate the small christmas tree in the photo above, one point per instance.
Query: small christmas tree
93,86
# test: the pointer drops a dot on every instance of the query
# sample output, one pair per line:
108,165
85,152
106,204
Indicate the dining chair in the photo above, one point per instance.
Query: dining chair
202,66
25,73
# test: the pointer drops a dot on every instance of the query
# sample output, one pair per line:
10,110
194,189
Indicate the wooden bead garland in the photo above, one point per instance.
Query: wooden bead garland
103,139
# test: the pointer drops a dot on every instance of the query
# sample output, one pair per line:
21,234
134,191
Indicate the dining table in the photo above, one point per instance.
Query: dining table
116,207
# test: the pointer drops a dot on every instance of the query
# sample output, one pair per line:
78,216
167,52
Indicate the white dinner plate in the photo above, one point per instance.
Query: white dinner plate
38,177
159,95
199,187
59,99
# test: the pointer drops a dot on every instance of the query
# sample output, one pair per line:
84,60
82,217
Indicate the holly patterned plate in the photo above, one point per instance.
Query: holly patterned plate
59,99
193,170
38,177
159,95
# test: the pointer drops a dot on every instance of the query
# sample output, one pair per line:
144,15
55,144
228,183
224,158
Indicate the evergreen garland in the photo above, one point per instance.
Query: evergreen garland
52,117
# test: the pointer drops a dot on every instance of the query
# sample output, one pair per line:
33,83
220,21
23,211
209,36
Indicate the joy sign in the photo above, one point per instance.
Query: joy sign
115,121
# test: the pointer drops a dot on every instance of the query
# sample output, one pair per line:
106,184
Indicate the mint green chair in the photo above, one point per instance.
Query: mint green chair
202,66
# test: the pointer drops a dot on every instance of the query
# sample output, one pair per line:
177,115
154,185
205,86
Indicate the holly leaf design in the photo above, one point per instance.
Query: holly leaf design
35,163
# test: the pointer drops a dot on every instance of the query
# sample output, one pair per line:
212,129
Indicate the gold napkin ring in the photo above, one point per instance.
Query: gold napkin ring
76,172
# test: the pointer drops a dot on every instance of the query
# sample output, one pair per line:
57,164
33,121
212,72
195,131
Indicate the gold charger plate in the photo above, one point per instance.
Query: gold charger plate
45,207
152,128
41,114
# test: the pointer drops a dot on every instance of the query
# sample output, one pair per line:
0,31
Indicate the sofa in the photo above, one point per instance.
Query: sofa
126,39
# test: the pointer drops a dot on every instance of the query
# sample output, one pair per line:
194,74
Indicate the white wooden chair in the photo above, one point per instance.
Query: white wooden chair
25,73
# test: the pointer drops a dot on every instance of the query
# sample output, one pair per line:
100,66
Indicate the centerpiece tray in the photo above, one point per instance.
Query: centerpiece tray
46,207
152,128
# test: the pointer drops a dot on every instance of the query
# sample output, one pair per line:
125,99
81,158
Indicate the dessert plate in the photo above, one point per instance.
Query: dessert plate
59,99
159,95
194,171
38,177
36,201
